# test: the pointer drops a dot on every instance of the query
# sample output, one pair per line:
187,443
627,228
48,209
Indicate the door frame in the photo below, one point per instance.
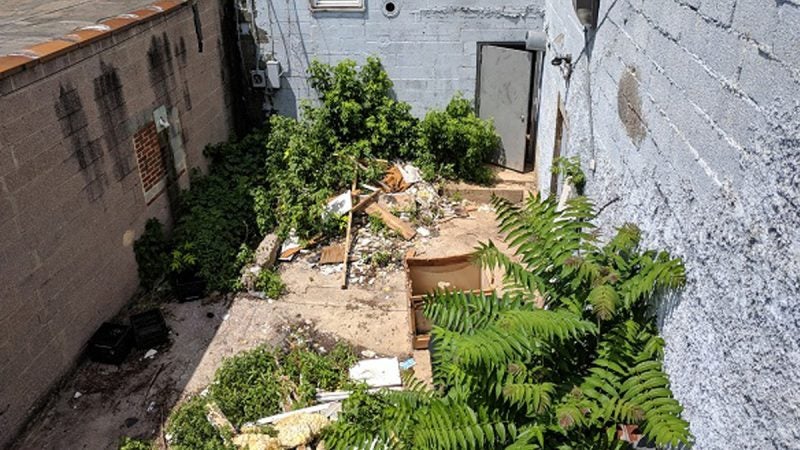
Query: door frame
534,99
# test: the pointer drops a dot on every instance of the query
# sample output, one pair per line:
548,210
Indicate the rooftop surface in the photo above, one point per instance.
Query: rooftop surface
24,23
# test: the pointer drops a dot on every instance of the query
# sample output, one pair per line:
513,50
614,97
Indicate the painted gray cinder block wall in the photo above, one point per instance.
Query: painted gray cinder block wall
695,114
428,48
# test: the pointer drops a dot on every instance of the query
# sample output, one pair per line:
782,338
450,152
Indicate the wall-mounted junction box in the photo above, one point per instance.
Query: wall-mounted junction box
274,74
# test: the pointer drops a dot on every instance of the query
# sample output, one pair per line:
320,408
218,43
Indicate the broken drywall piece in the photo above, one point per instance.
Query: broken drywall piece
329,410
340,205
382,372
411,174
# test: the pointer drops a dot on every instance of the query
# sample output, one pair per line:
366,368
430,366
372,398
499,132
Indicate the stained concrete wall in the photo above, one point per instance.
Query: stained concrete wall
690,111
429,48
71,198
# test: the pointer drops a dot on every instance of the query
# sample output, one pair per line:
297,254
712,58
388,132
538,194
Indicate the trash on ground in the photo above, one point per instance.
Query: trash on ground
340,205
410,173
150,353
382,372
407,364
290,247
392,221
394,180
77,395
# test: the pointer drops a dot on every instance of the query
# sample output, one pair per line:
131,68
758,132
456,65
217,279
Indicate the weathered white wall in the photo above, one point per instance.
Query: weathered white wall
695,108
429,48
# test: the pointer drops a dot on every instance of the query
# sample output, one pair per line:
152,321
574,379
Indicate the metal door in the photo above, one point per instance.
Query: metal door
504,96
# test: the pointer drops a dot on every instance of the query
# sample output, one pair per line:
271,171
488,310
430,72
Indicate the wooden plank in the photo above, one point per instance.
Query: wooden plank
346,253
332,254
363,203
392,221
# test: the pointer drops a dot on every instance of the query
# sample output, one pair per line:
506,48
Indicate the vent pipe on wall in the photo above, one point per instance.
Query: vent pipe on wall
536,40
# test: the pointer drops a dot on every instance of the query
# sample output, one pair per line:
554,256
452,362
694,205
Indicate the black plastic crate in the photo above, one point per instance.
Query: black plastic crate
189,287
149,329
111,343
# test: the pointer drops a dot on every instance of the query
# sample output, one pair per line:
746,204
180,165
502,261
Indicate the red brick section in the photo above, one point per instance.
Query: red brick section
149,156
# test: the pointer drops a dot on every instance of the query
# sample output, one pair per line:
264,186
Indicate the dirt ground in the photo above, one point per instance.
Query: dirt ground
99,404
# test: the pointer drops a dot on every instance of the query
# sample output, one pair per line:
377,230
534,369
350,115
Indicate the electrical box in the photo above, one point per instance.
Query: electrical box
274,74
258,78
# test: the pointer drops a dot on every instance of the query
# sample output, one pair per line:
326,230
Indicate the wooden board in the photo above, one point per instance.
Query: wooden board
332,254
392,221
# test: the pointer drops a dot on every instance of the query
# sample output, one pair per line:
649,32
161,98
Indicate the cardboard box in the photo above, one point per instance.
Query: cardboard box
425,275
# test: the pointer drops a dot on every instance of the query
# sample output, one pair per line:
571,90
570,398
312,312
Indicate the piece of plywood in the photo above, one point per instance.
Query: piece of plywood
392,221
332,254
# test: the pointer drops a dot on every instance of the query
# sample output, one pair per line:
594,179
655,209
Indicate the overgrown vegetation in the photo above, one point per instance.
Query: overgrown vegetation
134,444
269,282
189,429
571,167
281,178
459,143
568,354
259,383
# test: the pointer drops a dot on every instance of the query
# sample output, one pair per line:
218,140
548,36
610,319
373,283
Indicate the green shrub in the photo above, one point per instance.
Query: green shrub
134,444
269,282
459,142
190,430
312,370
248,387
317,157
152,254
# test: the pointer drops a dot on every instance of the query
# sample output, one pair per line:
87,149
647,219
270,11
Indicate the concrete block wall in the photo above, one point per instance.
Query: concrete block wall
429,48
71,196
690,112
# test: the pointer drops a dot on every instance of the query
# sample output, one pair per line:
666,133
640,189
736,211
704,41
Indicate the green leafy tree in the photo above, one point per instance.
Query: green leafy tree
565,356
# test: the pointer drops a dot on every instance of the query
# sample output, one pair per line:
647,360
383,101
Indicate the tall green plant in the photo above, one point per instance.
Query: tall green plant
459,142
565,356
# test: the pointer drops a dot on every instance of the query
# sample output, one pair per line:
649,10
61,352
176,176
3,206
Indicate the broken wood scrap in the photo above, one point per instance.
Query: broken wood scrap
392,221
332,254
394,180
363,203
348,237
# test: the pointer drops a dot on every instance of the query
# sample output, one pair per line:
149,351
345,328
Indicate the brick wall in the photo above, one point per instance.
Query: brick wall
689,109
77,161
428,48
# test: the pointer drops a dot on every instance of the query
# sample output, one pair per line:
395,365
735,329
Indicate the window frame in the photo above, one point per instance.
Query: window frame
338,5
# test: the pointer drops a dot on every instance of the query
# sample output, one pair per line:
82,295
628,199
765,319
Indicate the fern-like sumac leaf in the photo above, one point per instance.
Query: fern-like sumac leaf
603,299
536,397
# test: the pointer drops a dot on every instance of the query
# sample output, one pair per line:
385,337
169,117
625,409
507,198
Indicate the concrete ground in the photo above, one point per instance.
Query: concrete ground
134,399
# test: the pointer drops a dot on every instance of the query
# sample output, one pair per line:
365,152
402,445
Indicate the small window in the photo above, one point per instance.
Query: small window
328,5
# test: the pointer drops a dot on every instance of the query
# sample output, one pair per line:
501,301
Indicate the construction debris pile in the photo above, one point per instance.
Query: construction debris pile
387,221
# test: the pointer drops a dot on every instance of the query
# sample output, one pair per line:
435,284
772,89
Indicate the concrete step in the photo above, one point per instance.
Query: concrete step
510,185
